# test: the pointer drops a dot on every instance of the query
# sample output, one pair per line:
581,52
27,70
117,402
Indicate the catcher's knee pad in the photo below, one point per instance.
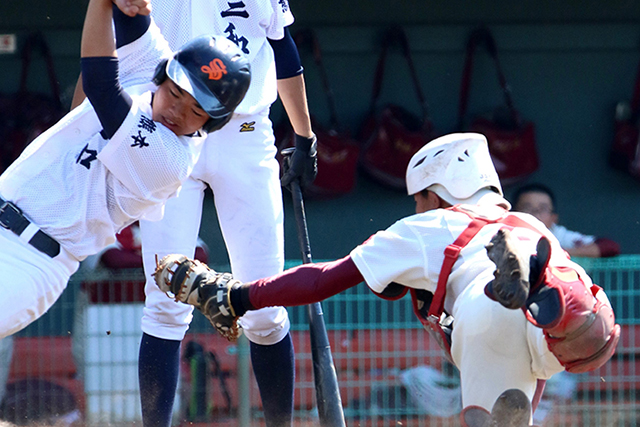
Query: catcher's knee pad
579,328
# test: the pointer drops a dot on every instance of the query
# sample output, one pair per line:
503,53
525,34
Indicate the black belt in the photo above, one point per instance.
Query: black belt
11,218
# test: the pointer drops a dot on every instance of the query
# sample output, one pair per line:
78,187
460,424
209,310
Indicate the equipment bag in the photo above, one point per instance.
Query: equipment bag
512,141
25,115
625,150
391,134
337,151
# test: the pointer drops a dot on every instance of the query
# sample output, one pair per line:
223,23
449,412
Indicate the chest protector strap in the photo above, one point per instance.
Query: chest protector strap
432,316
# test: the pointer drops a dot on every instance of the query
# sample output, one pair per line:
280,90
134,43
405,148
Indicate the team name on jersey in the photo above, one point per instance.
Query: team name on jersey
86,156
237,9
148,126
284,4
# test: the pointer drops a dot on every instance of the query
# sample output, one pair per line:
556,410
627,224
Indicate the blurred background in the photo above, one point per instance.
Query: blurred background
568,65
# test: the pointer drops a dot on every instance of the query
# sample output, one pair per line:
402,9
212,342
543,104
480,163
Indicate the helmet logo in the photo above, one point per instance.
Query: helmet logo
216,69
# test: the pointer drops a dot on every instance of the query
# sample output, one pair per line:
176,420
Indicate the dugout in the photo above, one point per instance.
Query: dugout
568,64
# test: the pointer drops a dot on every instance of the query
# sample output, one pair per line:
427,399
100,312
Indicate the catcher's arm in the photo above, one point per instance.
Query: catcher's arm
222,300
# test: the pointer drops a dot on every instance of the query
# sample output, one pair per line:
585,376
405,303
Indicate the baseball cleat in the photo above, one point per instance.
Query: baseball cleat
512,409
511,284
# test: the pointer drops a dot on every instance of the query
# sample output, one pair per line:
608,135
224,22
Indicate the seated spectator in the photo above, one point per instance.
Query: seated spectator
539,201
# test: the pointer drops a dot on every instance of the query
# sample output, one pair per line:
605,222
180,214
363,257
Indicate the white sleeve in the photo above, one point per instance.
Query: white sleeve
392,255
137,61
146,157
282,17
571,239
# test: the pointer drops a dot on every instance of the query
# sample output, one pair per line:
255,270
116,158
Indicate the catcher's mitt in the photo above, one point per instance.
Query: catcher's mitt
192,282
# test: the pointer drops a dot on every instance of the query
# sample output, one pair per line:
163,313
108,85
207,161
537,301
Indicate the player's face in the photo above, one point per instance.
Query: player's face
538,205
177,109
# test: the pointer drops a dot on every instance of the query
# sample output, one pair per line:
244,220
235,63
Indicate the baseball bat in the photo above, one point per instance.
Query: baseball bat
324,371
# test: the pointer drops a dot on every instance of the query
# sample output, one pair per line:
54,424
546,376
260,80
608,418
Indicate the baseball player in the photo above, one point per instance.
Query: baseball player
238,164
114,159
495,288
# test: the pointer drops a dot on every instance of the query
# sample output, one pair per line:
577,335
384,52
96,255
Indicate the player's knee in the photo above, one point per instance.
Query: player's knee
166,325
266,326
267,337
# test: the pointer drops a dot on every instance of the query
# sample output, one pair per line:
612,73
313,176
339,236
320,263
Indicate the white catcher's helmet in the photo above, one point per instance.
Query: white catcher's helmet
458,168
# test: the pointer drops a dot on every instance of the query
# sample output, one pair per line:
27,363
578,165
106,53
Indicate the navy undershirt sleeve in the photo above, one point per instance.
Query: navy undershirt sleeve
100,75
101,86
129,29
286,56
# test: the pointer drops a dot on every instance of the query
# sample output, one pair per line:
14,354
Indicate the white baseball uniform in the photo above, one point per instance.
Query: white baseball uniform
238,163
495,348
81,189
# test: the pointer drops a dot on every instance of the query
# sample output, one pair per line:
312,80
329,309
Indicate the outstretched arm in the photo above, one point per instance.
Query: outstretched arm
223,299
305,284
602,247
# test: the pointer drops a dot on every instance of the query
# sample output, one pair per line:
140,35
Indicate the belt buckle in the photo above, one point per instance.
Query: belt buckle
10,215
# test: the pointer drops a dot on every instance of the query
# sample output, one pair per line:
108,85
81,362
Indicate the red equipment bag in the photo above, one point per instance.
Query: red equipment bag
512,141
337,151
625,150
391,135
25,115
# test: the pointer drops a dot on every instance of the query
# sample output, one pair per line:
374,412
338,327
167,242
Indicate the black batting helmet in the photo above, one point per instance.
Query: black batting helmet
214,71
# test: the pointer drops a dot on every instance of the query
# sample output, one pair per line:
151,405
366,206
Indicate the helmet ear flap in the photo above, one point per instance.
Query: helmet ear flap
213,125
160,74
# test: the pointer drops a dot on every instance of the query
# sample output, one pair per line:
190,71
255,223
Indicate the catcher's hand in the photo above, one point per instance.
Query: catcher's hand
192,282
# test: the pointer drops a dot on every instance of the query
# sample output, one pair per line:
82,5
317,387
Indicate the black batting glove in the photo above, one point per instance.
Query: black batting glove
301,162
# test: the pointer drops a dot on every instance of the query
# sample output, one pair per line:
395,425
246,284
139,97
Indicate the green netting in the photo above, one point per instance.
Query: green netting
389,370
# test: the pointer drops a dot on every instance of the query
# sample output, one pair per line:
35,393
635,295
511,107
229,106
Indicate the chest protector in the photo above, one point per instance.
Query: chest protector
583,334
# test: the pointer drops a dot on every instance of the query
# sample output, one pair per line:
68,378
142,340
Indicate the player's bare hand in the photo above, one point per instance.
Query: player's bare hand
134,7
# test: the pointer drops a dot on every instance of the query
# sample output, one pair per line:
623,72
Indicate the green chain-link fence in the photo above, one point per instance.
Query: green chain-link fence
78,364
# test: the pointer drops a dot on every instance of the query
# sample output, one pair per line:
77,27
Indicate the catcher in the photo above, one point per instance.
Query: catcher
495,288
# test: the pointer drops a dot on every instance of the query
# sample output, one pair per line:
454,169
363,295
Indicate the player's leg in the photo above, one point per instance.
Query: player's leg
490,347
6,356
32,282
165,322
248,200
576,316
